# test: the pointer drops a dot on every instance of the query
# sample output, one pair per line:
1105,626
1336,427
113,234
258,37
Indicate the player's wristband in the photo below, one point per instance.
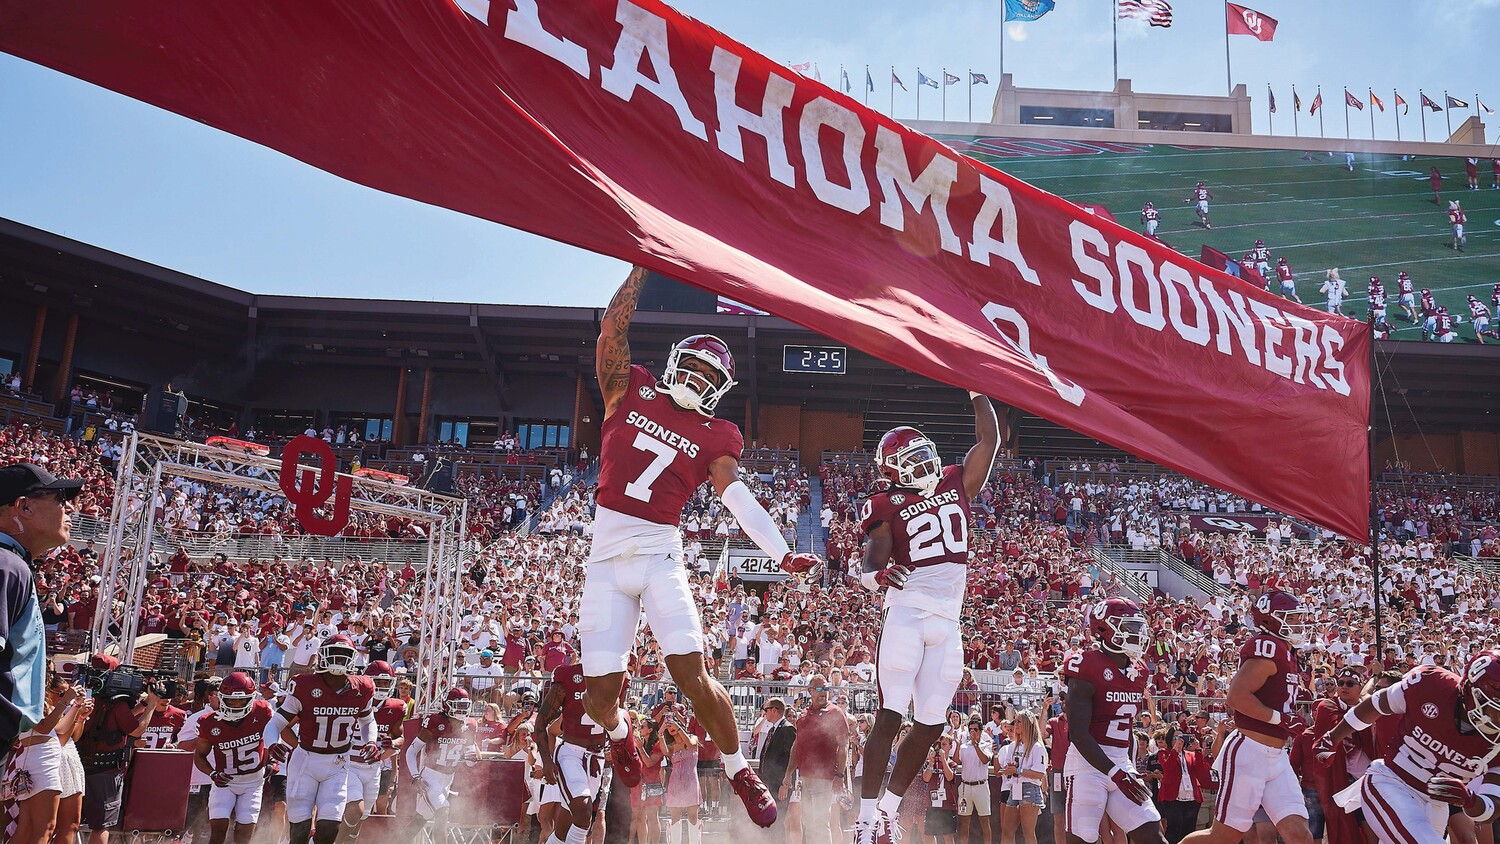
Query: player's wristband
868,581
973,395
1275,718
1354,722
1485,814
1112,771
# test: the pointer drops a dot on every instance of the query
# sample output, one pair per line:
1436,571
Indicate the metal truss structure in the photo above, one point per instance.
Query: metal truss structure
148,463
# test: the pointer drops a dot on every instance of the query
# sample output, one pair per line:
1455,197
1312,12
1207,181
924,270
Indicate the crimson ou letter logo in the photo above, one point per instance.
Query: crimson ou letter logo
1252,20
308,490
1228,524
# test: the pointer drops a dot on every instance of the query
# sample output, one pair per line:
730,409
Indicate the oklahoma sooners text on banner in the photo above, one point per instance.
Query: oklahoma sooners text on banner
626,128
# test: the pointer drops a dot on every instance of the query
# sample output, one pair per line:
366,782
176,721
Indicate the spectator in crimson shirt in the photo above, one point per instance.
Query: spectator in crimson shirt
820,755
556,653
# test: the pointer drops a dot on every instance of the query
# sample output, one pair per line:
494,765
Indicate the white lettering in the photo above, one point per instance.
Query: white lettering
1269,320
1177,281
1305,351
1084,234
1128,255
998,204
1243,325
645,35
997,313
524,26
767,123
893,172
823,112
1333,368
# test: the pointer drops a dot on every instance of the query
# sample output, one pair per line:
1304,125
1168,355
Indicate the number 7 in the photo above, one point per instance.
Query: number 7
640,488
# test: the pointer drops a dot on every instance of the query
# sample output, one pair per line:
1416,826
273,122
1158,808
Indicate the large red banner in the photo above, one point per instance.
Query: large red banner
626,128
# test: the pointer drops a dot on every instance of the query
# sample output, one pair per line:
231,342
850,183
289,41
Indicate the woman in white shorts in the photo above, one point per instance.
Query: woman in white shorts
41,774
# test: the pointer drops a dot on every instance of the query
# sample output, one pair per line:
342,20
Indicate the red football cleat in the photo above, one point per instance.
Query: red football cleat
625,757
757,799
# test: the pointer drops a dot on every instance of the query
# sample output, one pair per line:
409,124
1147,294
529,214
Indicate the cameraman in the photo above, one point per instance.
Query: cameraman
104,748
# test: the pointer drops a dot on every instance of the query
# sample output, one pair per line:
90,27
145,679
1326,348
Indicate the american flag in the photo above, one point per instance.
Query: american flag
1158,12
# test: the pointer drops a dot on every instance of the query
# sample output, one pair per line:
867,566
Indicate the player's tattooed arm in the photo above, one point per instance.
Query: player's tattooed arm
981,458
612,357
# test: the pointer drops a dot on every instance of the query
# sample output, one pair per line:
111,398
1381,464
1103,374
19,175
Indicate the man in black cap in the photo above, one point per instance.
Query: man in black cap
34,511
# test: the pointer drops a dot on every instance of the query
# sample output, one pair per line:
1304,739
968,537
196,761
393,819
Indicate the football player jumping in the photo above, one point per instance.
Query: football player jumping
1447,738
917,553
329,706
1105,691
661,440
1254,769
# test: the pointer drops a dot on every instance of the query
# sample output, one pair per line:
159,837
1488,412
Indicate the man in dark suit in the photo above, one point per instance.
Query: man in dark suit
772,740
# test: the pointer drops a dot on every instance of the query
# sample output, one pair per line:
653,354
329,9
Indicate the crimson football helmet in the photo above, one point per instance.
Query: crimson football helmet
1480,693
1281,615
1149,205
1259,242
907,458
456,705
236,696
690,388
1119,626
336,654
1200,184
384,678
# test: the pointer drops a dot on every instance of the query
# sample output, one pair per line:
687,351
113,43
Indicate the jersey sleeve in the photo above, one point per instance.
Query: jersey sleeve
1391,700
872,512
291,704
730,442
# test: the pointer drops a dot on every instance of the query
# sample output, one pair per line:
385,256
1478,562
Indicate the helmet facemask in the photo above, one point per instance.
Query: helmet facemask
457,707
336,658
1483,713
385,687
234,707
917,466
1130,636
692,389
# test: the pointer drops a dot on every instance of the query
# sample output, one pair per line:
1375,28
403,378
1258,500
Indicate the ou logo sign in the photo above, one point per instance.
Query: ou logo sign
1228,524
1252,20
307,491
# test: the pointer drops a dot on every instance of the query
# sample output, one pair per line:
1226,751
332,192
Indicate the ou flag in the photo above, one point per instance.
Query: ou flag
1246,21
626,128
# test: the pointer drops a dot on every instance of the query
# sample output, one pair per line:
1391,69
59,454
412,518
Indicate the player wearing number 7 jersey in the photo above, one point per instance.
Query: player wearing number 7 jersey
1106,689
661,441
1253,767
327,706
918,553
1447,737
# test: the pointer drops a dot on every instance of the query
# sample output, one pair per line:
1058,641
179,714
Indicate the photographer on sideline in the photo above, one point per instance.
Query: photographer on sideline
104,748
34,511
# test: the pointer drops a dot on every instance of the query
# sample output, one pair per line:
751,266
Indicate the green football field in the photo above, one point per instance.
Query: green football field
1377,220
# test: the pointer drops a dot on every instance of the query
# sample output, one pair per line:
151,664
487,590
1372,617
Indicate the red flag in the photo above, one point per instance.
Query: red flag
1351,100
1374,100
626,128
1317,103
1243,21
1401,104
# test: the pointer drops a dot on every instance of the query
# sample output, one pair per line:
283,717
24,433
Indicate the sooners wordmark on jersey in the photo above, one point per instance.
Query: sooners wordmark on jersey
654,453
234,746
449,736
930,534
1428,738
1279,690
577,727
162,733
328,716
1118,695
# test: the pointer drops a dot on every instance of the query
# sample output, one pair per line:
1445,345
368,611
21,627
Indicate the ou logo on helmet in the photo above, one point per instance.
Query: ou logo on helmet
1263,603
1252,20
1478,666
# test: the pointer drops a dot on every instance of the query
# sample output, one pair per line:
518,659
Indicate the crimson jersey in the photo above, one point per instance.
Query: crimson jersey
1428,740
1118,695
1405,284
1284,272
577,727
1444,323
449,738
655,454
389,715
929,534
165,725
1261,254
1478,310
327,717
1495,295
1149,214
1280,689
234,746
1201,195
1429,304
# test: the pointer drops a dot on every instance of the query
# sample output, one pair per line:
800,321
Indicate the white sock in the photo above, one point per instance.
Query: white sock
734,763
578,834
553,839
695,833
890,804
619,731
866,809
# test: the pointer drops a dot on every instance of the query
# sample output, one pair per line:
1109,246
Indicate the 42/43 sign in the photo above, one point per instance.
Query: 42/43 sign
753,565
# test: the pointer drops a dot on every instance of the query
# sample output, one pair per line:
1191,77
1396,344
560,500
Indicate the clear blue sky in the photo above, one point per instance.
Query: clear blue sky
106,170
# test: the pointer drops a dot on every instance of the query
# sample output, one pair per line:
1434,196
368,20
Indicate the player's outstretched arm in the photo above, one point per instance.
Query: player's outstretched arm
724,475
612,356
981,458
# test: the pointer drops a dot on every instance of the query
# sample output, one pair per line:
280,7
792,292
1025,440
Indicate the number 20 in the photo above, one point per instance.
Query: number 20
933,533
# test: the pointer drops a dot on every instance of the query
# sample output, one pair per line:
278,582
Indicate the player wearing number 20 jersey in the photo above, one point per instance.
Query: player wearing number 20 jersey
918,555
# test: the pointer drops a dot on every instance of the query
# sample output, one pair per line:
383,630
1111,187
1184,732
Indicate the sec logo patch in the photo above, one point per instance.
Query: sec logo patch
1109,674
647,393
898,499
214,731
317,693
578,678
1430,710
